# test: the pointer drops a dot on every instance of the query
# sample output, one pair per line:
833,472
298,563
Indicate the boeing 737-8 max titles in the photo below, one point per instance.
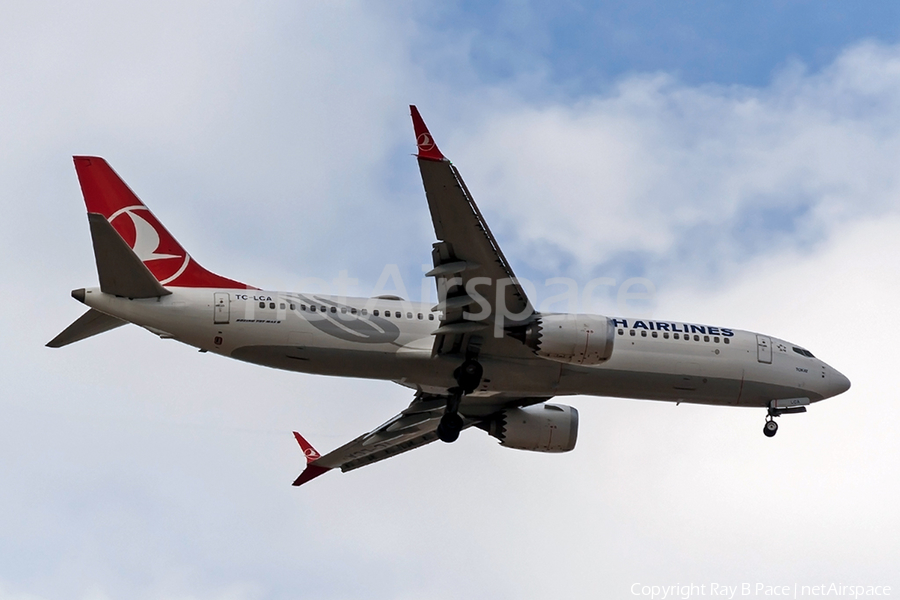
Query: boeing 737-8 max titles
483,356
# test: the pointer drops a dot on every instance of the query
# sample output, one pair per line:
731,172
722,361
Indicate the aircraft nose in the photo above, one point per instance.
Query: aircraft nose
837,383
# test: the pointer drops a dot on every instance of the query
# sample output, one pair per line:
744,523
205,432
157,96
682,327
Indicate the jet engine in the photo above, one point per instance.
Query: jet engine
573,339
539,428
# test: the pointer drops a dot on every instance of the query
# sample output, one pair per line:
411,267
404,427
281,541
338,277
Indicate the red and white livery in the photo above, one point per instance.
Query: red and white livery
483,356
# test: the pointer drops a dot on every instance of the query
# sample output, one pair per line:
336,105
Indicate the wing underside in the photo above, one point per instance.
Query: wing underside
477,290
481,302
413,427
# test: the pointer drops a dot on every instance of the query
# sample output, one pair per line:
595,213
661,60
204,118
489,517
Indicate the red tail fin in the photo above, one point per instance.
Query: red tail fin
106,194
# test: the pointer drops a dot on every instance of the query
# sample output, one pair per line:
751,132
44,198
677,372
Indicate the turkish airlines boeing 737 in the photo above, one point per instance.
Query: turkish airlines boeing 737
481,357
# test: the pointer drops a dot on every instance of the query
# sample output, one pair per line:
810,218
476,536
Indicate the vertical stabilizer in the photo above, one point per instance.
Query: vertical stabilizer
106,195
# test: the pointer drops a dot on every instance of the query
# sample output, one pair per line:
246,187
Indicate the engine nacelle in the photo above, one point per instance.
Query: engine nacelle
539,428
574,339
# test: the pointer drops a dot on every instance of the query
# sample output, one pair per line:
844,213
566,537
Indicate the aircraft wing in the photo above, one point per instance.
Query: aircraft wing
481,301
414,427
477,290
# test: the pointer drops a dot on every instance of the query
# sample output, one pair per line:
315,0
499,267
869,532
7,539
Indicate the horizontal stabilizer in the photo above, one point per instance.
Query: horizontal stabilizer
120,270
91,323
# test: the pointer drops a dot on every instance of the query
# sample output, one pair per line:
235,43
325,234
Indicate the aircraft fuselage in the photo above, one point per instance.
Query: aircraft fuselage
377,338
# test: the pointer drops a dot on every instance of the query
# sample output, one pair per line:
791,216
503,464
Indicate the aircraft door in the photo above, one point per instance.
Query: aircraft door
764,349
222,308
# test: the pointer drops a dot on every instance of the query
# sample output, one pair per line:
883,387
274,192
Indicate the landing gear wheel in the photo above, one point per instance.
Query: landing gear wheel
449,427
770,428
468,375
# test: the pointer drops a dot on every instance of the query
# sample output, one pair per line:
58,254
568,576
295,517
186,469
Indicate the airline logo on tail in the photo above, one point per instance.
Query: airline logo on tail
146,237
106,194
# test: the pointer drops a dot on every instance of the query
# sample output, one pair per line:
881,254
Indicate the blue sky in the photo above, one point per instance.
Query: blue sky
741,156
586,46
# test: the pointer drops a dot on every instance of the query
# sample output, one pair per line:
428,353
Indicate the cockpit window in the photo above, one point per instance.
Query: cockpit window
803,352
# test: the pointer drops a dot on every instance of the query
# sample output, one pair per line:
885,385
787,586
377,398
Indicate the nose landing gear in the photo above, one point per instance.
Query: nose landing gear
783,406
468,377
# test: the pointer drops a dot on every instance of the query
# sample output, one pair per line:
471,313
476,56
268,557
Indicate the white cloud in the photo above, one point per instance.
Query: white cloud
694,182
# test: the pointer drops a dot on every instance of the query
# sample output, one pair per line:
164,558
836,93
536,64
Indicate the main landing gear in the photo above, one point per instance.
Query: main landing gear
468,377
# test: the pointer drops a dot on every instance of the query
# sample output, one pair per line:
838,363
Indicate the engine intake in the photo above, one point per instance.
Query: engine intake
574,339
538,428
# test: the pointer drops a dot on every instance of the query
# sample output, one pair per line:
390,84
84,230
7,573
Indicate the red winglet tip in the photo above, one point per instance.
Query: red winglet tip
311,453
427,148
311,472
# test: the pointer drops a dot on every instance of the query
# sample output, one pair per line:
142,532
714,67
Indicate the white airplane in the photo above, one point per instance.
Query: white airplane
481,357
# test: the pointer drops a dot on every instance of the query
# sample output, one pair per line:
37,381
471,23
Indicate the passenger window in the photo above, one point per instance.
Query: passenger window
420,316
409,315
281,304
364,312
292,307
431,316
643,333
397,314
302,307
726,340
654,334
631,332
675,335
716,340
621,332
333,309
271,305
352,311
375,312
705,338
343,310
262,304
696,338
666,334
312,308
